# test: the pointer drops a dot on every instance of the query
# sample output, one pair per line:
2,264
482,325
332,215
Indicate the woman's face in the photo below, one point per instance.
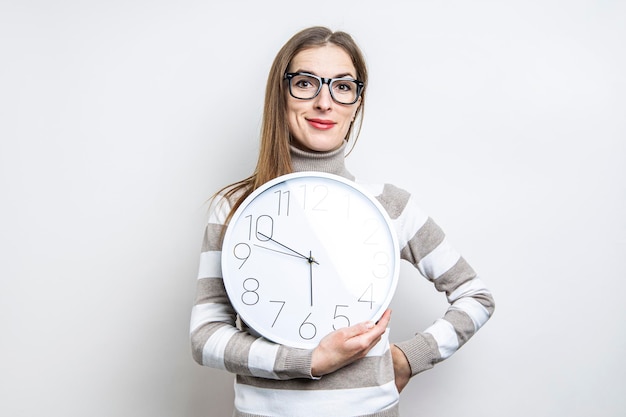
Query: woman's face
321,124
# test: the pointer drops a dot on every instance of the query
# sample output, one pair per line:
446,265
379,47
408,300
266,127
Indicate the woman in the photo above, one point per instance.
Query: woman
313,107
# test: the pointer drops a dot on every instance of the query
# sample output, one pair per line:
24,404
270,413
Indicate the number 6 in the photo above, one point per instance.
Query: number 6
307,323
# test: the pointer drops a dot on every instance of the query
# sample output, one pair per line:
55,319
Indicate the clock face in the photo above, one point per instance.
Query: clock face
308,253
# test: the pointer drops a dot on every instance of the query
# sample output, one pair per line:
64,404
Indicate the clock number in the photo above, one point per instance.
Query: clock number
371,227
324,194
265,226
243,253
341,316
368,296
249,217
283,207
307,329
381,265
250,296
279,310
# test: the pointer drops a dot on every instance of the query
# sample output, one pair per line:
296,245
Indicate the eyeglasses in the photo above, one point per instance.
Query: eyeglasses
304,86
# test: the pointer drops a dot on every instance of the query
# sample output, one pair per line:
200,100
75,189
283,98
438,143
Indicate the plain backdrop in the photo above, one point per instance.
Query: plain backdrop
118,119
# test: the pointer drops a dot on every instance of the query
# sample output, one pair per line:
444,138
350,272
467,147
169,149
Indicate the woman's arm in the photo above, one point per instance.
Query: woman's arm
216,340
425,246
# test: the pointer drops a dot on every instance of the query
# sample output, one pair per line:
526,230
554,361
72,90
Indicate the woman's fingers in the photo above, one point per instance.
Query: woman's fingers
344,346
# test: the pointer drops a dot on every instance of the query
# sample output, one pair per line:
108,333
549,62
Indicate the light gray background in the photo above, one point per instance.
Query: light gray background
119,118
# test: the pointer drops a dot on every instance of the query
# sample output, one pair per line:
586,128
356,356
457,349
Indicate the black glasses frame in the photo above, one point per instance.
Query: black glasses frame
359,85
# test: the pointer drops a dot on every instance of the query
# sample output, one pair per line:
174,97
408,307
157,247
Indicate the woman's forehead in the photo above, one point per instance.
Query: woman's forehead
326,61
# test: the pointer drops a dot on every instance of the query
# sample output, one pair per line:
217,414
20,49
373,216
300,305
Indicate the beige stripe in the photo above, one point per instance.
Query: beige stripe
366,372
462,323
421,351
237,352
459,274
211,290
293,363
212,240
427,238
394,200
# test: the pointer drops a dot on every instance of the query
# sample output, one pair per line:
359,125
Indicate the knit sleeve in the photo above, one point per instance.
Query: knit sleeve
424,245
216,340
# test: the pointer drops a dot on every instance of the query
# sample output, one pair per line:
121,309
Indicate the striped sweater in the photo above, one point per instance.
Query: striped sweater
276,380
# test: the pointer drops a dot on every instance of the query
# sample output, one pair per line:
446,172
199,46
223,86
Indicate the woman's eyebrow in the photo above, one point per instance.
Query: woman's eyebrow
341,75
347,74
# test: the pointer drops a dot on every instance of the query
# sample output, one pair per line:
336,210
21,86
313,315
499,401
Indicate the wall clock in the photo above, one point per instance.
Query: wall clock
308,253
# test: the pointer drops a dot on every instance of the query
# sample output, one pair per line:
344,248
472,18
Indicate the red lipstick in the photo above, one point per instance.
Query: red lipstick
321,124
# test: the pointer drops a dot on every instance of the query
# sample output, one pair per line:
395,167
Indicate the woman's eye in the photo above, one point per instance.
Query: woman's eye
344,87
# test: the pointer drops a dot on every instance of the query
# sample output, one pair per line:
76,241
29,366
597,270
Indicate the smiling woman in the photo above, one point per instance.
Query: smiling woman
317,119
353,370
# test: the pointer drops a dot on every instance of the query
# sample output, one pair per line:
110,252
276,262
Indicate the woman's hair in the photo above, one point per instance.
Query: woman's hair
274,154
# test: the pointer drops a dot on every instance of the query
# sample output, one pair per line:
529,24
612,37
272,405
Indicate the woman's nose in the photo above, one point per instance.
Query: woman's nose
324,100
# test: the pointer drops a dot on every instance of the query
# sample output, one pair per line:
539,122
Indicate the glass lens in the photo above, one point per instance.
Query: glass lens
344,91
304,86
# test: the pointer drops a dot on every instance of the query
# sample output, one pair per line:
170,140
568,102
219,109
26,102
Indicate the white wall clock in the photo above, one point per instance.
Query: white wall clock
308,253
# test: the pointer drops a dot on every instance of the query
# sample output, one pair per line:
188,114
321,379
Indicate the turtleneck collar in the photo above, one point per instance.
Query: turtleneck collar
332,162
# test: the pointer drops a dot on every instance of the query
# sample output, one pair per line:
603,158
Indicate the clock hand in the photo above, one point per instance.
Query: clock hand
308,258
311,260
278,251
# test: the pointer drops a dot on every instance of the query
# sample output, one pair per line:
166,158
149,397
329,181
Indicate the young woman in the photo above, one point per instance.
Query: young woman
314,104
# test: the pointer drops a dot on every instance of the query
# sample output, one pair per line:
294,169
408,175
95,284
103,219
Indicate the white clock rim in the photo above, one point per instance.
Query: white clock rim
301,174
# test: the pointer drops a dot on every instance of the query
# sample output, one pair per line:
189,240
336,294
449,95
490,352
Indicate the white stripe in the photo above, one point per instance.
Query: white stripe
208,312
477,312
261,358
344,402
214,348
470,288
409,222
440,260
445,336
210,265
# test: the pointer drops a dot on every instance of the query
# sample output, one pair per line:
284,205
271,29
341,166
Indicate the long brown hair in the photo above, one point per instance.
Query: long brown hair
274,154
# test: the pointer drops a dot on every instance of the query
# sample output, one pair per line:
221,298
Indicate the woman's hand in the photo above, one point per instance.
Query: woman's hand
346,345
401,368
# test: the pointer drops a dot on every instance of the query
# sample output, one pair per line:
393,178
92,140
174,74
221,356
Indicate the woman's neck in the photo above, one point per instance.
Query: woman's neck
331,162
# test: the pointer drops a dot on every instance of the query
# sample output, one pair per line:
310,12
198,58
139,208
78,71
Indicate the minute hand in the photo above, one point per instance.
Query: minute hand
308,258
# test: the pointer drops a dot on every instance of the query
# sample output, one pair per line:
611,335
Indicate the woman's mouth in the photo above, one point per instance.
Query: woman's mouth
321,124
